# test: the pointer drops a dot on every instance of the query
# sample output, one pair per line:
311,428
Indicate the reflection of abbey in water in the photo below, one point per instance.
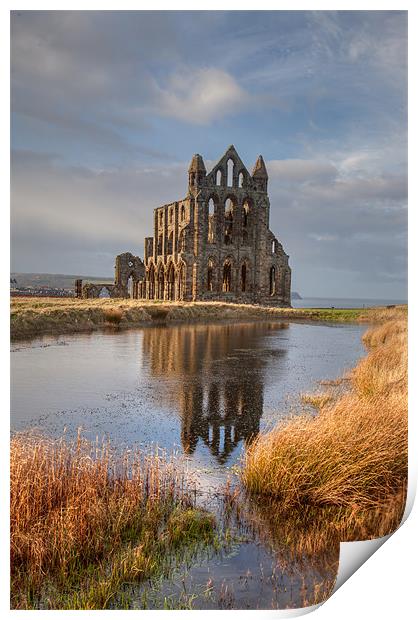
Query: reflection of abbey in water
222,414
220,398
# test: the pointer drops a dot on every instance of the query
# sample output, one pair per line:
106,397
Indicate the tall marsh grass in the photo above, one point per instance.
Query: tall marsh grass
85,520
113,315
352,456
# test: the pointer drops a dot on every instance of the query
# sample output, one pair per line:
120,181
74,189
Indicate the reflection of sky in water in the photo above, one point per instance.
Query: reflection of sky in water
202,389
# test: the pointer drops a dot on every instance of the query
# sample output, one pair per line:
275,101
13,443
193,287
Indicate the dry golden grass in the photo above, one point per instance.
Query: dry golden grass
383,374
316,400
383,314
84,521
353,455
385,332
34,316
113,315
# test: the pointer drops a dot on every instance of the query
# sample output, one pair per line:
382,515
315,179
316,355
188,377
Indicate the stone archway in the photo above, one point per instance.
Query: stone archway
151,282
104,293
272,280
129,270
181,282
210,285
160,282
227,276
244,277
171,283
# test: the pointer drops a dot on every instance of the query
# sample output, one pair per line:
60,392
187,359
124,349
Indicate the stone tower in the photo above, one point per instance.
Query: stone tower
215,244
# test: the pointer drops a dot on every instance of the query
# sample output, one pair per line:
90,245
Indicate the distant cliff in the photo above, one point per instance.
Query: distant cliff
295,295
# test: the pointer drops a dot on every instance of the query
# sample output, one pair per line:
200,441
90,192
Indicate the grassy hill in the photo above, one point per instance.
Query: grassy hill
54,280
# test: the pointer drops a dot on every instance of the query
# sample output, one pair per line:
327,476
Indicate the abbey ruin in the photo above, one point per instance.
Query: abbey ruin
214,244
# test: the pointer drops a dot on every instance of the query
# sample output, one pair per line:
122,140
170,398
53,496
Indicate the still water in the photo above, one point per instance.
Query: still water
200,389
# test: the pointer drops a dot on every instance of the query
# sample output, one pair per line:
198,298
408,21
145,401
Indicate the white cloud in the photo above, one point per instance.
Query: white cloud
200,95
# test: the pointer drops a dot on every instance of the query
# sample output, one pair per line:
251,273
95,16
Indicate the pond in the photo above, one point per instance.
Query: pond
199,389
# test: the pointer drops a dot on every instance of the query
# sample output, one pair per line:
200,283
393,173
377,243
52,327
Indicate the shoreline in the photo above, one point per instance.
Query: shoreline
33,317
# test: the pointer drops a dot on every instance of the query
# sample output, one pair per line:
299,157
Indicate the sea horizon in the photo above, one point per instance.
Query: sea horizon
344,302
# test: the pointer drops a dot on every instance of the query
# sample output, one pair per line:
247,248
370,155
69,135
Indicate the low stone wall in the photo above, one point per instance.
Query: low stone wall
103,290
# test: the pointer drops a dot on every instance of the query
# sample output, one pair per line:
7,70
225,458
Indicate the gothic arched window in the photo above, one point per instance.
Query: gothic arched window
170,283
180,282
183,241
273,281
229,221
244,277
245,222
230,173
160,283
245,214
151,286
170,243
211,221
210,274
104,292
227,277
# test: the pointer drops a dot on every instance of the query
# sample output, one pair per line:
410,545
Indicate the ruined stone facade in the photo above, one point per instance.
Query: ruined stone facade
128,269
214,244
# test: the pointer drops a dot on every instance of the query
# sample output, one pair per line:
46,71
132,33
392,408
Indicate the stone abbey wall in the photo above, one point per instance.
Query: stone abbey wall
214,244
128,268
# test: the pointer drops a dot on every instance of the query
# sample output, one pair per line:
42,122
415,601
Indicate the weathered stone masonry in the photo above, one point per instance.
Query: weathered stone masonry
215,244
128,268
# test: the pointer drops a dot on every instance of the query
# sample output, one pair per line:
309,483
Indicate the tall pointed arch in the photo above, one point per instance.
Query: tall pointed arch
151,282
227,276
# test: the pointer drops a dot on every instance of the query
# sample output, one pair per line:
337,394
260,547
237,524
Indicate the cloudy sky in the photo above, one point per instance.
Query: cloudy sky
109,107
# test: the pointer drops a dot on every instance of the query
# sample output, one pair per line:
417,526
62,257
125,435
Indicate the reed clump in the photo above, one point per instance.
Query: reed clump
113,315
351,457
383,314
84,520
